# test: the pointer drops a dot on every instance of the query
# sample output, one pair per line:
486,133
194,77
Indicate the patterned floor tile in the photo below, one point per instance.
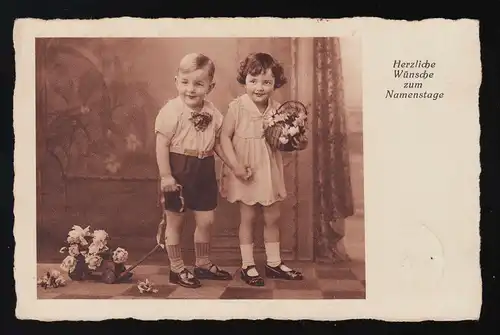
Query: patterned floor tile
246,293
306,284
145,270
83,296
338,265
344,295
306,269
359,271
47,294
156,279
96,288
204,292
270,284
164,291
333,273
297,294
340,285
321,281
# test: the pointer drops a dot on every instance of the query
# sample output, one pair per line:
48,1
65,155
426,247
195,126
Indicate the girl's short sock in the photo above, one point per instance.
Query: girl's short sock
273,253
274,256
247,259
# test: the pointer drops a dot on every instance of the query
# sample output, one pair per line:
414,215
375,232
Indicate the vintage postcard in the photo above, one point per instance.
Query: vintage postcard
247,168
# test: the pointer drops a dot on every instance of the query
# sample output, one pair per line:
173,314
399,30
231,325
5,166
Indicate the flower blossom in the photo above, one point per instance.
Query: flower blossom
68,264
283,140
97,246
100,235
93,261
120,255
73,250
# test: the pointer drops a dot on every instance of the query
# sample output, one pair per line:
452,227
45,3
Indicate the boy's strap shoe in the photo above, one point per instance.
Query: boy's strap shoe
278,273
184,279
213,272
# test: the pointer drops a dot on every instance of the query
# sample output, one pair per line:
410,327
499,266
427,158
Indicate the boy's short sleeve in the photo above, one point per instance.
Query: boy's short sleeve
167,121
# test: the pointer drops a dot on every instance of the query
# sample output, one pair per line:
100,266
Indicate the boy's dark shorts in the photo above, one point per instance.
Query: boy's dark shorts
198,180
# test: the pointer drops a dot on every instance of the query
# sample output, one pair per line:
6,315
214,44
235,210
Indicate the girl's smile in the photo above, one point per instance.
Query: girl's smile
260,87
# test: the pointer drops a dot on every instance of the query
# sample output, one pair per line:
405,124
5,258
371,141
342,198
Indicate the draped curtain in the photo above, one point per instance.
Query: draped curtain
332,177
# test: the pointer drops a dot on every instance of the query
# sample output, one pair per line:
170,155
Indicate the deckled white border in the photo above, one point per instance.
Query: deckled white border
421,173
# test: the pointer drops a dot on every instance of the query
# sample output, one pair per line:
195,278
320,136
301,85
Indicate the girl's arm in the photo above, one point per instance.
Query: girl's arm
228,126
227,132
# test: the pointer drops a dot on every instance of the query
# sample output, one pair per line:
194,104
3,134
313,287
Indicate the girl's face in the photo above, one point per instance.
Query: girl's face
260,87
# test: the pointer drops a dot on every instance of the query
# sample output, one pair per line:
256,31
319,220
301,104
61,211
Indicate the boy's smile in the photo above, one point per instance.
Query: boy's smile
193,87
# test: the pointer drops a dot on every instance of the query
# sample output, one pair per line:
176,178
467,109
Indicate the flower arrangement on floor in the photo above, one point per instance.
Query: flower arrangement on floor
89,254
146,287
51,279
201,120
285,128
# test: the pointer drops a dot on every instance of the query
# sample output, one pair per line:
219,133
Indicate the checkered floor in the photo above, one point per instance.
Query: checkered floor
322,281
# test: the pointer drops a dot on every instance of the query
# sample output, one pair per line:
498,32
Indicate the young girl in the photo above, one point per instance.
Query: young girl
253,176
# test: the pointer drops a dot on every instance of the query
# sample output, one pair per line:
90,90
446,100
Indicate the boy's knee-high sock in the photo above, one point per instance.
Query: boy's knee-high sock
202,251
175,256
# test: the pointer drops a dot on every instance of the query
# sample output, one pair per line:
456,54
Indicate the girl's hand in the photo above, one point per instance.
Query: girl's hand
168,184
249,174
242,172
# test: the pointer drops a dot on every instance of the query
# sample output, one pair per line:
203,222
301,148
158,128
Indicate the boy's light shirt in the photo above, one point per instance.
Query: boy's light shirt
173,122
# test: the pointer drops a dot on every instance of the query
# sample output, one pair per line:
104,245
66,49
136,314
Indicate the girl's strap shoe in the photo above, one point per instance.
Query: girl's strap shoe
184,279
277,272
213,272
251,280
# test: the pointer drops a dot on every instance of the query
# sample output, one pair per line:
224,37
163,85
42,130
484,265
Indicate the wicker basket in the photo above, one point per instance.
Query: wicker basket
273,133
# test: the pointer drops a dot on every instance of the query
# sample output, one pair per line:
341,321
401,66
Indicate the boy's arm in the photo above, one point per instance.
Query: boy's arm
162,155
218,150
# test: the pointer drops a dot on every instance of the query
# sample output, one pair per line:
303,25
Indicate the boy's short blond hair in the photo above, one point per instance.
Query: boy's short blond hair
195,61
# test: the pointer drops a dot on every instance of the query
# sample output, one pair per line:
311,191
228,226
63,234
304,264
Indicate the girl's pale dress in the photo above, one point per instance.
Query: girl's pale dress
251,148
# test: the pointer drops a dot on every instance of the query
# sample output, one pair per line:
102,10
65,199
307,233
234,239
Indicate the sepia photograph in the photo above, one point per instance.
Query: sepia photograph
199,168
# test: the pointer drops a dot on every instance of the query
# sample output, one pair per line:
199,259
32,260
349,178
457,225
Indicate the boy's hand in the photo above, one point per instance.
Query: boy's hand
168,184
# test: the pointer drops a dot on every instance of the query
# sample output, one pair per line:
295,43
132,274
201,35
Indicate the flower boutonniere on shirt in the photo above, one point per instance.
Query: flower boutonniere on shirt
201,120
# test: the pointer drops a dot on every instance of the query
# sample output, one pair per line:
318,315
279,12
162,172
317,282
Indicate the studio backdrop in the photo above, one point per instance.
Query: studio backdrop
97,100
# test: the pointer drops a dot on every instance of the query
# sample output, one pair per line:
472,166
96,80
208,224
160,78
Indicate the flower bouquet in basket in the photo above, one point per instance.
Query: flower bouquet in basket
285,128
89,254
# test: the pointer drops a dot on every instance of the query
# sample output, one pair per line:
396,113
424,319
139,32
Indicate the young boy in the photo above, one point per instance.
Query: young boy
187,134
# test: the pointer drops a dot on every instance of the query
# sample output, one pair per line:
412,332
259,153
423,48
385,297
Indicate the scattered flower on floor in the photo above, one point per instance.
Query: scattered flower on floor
51,279
146,287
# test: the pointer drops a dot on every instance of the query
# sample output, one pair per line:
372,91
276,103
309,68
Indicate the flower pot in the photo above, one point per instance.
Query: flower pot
108,276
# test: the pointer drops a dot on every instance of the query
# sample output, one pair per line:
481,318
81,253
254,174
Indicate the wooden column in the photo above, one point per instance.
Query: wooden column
304,84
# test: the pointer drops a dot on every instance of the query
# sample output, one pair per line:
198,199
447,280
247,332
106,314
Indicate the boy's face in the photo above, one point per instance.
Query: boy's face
193,87
259,88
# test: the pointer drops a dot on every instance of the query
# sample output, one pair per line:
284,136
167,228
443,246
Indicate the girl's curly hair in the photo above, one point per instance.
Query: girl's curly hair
258,63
